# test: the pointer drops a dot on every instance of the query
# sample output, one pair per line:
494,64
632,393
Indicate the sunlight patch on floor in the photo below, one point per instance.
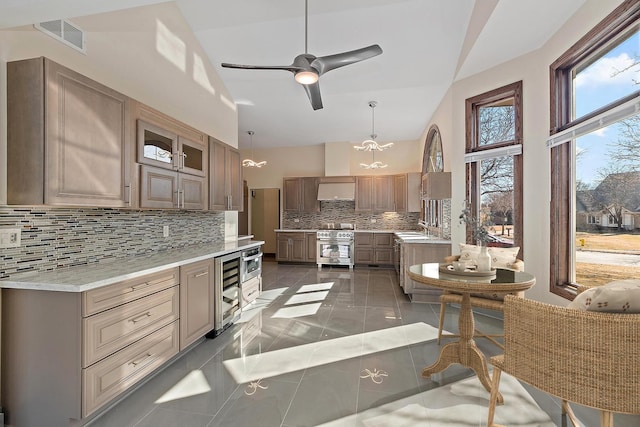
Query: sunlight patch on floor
192,384
279,362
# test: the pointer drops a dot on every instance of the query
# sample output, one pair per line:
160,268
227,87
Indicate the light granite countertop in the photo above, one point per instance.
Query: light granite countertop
91,276
407,236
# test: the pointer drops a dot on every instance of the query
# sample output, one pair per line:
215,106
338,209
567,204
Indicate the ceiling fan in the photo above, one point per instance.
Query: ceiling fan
307,68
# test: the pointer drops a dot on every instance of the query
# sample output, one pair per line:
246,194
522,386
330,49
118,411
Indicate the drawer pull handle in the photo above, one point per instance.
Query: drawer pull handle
139,361
252,292
141,286
141,317
204,273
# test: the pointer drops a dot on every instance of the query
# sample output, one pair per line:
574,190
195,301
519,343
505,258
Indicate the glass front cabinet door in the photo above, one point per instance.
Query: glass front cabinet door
162,148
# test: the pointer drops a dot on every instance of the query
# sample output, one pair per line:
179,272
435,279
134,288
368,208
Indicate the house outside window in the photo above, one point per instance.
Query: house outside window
595,155
494,163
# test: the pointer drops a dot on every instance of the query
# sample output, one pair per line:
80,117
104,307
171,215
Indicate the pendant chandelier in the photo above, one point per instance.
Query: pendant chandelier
371,144
248,163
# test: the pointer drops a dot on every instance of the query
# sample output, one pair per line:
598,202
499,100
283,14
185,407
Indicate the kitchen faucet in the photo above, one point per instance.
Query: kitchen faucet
424,226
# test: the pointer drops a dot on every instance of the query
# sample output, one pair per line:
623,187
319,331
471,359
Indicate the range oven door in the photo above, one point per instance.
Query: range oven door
335,251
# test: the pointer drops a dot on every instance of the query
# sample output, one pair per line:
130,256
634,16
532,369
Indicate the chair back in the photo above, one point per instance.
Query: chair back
585,357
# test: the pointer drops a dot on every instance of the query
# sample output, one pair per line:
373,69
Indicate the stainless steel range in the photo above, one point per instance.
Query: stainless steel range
335,247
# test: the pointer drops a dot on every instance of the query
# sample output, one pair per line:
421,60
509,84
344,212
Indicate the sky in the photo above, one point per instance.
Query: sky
597,85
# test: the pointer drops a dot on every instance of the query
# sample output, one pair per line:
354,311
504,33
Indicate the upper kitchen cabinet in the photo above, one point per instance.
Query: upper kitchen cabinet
68,138
162,148
225,177
375,193
174,159
407,192
300,194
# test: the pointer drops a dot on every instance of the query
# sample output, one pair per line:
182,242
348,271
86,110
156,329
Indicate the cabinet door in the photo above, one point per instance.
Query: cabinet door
217,176
363,239
311,239
309,195
383,240
158,188
298,248
234,176
193,192
400,192
364,192
86,141
196,301
157,146
414,184
363,256
193,157
283,249
383,193
225,177
291,194
383,256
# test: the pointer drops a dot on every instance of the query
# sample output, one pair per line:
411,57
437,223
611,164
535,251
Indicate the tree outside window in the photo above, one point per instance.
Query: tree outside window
494,172
595,206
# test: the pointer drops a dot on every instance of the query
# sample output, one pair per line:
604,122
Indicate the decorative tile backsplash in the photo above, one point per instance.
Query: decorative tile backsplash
344,212
55,238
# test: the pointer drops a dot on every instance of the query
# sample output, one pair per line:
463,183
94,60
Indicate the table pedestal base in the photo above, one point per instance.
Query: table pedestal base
464,351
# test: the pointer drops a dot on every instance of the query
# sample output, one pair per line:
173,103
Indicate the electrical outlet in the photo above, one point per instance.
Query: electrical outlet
296,220
373,220
165,231
10,237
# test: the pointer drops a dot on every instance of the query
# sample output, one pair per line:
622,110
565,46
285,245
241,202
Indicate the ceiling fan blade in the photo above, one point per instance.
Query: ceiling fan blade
292,68
313,92
330,62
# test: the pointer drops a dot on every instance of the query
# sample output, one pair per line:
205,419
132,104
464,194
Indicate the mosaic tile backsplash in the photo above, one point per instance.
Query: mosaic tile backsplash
55,238
344,212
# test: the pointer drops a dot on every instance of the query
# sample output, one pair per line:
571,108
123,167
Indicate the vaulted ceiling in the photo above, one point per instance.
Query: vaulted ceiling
427,45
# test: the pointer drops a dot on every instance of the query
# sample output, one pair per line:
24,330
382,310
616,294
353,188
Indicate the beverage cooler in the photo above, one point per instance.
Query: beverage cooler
227,290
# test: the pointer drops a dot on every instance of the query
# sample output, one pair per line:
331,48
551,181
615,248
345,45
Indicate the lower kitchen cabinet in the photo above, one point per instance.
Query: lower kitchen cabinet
68,354
196,301
418,253
312,246
373,248
291,246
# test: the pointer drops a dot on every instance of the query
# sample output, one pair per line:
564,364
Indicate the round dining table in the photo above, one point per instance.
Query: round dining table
464,351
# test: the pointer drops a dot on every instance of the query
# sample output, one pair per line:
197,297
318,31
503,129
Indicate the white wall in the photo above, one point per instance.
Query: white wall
148,53
533,70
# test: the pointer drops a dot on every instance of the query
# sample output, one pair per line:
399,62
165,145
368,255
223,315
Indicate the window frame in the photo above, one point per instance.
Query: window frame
622,20
472,107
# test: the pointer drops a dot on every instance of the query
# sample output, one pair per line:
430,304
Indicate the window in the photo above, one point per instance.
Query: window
595,154
494,163
436,213
432,160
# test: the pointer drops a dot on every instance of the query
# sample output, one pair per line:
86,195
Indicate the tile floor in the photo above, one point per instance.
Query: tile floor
310,354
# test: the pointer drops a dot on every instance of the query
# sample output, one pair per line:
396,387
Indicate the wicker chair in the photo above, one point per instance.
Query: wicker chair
495,303
585,357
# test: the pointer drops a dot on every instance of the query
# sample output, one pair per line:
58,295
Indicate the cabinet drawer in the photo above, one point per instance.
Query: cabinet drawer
250,290
115,374
111,330
97,300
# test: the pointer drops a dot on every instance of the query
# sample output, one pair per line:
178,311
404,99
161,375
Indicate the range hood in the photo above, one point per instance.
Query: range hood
337,191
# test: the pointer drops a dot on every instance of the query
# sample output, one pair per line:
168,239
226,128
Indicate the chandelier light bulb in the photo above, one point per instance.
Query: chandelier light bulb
248,163
371,144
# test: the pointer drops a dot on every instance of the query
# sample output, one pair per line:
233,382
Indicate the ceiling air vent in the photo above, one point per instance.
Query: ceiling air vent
65,32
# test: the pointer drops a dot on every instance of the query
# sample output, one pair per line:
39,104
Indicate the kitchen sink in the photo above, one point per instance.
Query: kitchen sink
413,235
